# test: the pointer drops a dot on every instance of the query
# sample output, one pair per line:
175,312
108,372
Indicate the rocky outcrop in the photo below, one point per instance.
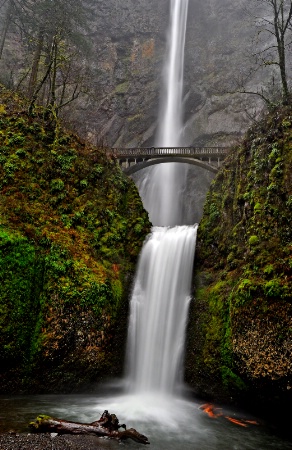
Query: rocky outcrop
240,342
129,42
218,43
72,226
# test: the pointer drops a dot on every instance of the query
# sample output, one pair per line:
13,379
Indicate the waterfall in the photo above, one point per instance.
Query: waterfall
163,189
159,309
170,126
161,293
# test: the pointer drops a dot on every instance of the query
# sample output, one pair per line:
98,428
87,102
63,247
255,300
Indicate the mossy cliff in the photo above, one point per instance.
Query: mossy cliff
71,229
240,331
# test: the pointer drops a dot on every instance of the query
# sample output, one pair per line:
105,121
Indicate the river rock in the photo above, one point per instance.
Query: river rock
27,441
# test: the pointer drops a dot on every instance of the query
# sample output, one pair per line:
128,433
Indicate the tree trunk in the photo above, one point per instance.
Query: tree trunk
282,61
280,28
36,62
7,21
54,71
108,425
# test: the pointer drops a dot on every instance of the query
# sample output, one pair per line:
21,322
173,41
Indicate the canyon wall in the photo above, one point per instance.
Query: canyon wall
239,339
130,44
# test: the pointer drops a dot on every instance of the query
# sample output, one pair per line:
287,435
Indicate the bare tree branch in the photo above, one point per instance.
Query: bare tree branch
276,22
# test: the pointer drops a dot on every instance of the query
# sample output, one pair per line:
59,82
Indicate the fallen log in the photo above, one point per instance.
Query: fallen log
107,426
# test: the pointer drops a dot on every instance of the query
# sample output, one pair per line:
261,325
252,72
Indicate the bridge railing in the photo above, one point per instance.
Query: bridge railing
162,151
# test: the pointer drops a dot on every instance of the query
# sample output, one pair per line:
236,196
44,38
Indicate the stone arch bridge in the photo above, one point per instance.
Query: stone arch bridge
132,160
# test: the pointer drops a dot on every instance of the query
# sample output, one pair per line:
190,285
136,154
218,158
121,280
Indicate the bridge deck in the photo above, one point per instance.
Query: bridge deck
123,153
132,160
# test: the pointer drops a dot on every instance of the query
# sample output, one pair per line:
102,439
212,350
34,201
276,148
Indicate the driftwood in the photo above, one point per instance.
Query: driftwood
107,426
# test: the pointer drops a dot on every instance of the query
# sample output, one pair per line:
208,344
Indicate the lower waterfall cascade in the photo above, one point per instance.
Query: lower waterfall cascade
159,309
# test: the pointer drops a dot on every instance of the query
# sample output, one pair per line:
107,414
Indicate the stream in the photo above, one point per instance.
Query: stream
170,424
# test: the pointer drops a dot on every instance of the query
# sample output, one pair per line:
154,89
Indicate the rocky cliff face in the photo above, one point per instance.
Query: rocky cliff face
240,342
130,41
218,40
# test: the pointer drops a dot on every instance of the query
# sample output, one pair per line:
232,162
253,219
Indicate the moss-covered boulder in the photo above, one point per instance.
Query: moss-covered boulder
71,228
240,333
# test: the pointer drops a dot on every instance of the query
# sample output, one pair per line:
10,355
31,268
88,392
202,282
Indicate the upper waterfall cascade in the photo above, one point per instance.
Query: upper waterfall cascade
162,192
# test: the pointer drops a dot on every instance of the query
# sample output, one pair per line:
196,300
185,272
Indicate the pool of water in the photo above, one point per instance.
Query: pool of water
169,423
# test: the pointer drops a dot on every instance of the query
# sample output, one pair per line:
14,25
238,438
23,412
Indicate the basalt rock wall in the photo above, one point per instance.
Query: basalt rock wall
130,42
239,339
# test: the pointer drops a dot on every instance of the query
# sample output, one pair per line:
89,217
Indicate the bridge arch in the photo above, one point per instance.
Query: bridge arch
169,159
132,160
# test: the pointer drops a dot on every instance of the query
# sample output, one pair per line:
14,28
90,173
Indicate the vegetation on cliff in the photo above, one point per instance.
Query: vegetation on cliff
71,228
241,325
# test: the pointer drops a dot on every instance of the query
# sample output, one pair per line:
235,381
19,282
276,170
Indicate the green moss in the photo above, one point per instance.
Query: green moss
122,88
257,207
286,123
253,240
244,251
273,288
57,185
134,118
231,380
21,275
38,422
72,226
269,269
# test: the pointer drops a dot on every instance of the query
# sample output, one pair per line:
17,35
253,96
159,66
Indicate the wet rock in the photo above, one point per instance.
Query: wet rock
26,441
